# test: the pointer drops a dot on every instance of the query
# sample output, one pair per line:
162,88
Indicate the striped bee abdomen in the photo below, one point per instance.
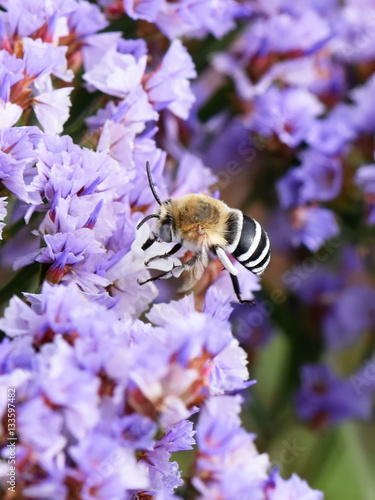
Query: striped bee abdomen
253,250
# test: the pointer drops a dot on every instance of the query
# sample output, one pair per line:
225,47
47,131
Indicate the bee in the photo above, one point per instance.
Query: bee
202,225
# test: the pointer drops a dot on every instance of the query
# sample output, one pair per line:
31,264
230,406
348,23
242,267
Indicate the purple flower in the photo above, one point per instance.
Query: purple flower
349,317
178,437
160,314
81,344
11,72
284,33
217,303
174,21
143,9
228,465
216,17
52,109
117,140
211,336
106,469
293,488
324,399
17,353
319,178
133,112
24,18
18,378
33,87
197,17
59,310
96,46
17,158
116,73
164,475
9,113
70,388
319,287
227,149
307,67
135,431
102,347
287,113
86,19
137,47
84,191
290,188
354,35
77,174
168,87
365,180
177,365
69,247
230,372
52,487
252,326
201,358
192,176
330,135
19,319
43,59
312,226
41,428
223,432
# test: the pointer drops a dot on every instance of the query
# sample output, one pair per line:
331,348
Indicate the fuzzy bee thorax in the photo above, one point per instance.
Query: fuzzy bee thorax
197,219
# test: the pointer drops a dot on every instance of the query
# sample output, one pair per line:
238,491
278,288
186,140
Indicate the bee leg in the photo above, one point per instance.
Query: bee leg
225,260
149,242
164,276
172,251
172,272
176,270
236,287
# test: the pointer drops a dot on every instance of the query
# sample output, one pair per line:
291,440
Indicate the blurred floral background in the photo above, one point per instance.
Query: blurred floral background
138,392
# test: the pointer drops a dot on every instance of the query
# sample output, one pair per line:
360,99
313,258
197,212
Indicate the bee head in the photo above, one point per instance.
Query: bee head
165,222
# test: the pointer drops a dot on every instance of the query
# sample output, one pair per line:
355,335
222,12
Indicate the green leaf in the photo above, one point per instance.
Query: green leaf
347,464
25,280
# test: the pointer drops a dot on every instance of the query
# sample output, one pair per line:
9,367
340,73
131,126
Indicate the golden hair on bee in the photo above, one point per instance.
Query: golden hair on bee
197,220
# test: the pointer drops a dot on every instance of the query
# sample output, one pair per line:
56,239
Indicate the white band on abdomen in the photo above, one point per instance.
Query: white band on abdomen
254,244
252,263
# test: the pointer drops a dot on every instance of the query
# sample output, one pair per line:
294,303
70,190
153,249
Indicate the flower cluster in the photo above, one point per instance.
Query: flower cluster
299,80
190,18
289,71
113,375
95,391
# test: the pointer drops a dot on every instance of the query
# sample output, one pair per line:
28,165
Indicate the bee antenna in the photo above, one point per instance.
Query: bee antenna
147,218
152,186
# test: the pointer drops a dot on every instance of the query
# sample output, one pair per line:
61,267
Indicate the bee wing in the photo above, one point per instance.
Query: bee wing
194,271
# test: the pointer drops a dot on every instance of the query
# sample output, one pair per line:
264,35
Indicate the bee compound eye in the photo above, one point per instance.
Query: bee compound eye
165,233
